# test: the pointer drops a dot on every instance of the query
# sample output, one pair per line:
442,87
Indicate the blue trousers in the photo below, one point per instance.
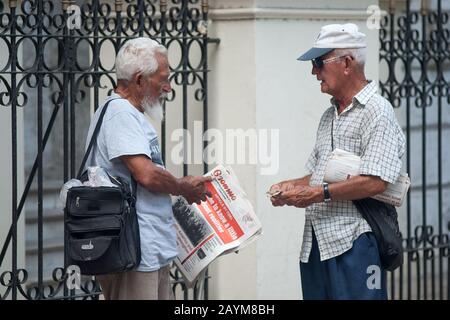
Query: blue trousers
355,274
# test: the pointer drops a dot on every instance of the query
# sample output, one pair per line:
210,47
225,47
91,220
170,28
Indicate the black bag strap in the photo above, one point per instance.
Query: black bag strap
91,145
93,139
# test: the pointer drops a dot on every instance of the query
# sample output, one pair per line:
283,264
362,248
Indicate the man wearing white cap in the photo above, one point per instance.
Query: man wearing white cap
339,251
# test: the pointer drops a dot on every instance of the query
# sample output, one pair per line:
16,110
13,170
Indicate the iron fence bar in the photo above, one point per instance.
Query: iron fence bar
205,84
96,51
418,279
39,56
448,277
119,37
185,292
125,37
66,140
205,114
408,138
391,55
93,295
195,293
92,72
184,55
424,57
392,275
163,10
71,106
141,8
433,280
439,64
14,150
71,58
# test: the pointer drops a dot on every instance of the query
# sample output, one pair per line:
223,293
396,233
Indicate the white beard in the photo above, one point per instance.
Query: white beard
153,109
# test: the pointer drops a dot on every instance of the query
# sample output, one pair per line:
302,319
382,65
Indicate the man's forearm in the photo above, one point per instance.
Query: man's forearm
162,181
299,181
357,187
150,176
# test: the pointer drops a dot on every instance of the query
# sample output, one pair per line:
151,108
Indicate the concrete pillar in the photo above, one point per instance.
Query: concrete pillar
256,82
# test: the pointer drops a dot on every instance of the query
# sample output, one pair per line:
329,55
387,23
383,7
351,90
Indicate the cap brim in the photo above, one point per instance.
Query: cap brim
314,53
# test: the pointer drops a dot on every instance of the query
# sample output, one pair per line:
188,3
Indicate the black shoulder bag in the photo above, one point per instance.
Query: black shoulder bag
382,218
101,225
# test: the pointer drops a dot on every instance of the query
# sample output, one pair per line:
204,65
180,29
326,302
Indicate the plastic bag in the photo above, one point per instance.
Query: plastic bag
98,178
63,193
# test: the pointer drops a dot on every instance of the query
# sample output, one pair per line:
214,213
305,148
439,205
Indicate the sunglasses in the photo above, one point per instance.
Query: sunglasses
319,62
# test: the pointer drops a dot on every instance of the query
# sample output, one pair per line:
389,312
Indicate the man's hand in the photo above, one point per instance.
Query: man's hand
277,189
301,196
193,189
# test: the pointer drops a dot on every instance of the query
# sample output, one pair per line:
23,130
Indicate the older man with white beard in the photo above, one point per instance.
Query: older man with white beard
127,145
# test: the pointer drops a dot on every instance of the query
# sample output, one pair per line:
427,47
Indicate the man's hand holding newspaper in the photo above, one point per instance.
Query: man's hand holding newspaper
342,165
225,222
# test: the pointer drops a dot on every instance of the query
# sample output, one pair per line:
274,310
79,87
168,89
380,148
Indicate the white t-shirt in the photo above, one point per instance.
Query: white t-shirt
126,131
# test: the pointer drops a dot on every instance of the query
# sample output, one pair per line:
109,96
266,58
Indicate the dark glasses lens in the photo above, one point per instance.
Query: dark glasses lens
318,63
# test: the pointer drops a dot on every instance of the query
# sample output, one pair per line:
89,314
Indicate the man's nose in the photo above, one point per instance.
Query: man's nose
314,70
167,87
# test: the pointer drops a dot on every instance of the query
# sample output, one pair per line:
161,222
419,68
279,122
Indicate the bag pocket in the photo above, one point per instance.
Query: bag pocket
94,244
91,202
100,255
94,227
90,249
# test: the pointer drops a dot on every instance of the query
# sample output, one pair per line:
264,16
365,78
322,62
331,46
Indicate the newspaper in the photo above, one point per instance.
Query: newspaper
224,223
343,164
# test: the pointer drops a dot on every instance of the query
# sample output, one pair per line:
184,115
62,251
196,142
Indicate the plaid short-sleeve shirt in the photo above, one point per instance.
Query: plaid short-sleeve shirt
368,128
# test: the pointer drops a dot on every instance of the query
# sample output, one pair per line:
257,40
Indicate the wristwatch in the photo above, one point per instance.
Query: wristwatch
326,193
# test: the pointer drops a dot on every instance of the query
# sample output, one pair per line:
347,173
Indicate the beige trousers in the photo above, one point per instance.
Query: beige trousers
136,285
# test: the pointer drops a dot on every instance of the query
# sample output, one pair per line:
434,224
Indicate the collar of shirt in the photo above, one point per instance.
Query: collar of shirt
361,98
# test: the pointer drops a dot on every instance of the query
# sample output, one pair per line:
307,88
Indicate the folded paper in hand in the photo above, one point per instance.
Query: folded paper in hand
343,164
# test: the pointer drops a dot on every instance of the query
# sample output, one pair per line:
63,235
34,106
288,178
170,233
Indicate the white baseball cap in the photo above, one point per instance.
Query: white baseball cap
335,36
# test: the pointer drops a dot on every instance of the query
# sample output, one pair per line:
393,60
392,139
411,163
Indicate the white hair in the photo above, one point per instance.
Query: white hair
138,56
359,54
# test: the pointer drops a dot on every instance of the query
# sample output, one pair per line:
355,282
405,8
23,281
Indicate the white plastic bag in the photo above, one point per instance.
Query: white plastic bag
63,193
98,178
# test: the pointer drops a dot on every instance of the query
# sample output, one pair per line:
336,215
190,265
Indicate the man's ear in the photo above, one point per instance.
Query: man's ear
349,61
138,79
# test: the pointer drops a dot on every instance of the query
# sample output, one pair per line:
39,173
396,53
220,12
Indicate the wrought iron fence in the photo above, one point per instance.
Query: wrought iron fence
414,76
58,71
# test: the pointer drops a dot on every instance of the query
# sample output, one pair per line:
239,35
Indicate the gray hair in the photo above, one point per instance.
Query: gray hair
359,54
138,56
